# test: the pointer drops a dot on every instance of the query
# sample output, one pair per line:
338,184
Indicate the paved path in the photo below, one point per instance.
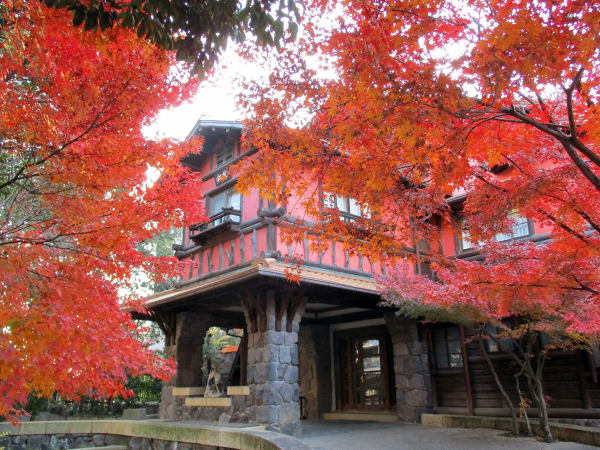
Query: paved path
334,435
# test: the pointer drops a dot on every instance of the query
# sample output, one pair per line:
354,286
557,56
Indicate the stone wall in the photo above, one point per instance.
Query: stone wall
140,435
60,441
274,398
411,366
314,365
190,332
273,380
236,413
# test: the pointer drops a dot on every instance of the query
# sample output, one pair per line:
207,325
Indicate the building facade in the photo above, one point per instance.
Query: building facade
323,348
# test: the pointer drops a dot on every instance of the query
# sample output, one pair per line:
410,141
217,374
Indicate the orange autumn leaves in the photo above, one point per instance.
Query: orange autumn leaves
406,103
76,200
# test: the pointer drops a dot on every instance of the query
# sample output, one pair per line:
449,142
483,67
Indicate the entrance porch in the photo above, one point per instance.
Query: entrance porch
308,351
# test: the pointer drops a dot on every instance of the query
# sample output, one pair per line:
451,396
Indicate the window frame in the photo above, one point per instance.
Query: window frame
329,200
221,151
448,353
490,342
459,238
209,197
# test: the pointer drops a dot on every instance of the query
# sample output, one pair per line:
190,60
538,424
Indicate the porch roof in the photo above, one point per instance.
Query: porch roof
269,267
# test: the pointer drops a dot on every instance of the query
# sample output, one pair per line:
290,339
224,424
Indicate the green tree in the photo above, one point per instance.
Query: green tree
197,30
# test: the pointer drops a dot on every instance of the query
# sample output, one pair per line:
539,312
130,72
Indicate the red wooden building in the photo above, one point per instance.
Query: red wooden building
323,348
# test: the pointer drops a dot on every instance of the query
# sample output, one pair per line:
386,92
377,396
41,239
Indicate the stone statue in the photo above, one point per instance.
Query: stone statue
214,384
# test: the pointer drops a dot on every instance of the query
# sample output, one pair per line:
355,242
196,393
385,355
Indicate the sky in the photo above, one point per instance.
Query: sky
215,100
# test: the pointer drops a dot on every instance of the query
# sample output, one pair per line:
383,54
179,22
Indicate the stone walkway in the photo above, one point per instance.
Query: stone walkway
334,435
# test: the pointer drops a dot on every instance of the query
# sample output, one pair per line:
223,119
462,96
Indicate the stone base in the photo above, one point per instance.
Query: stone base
291,428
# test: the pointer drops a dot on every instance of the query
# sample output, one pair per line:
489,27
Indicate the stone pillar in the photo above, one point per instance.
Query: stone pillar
411,366
314,365
273,360
184,344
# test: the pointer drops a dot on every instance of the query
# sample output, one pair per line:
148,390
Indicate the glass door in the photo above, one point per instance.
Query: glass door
363,383
368,374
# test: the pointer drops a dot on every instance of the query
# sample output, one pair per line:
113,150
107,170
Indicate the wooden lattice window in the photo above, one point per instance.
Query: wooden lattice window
224,154
447,348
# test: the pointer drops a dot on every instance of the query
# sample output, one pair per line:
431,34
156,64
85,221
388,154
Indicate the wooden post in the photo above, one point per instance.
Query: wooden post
467,374
585,392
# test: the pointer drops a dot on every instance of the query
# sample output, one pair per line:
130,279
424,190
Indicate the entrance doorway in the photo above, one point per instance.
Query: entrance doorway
363,375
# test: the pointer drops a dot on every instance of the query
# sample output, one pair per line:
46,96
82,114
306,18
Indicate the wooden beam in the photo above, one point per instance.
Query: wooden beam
293,309
467,374
282,309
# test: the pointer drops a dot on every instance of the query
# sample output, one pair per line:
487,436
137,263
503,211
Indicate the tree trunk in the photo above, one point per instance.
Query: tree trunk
516,428
522,404
543,410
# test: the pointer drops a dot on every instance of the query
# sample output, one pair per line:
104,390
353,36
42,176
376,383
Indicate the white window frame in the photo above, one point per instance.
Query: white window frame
521,224
345,205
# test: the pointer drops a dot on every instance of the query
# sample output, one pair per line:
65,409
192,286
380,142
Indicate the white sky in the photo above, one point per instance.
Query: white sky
215,100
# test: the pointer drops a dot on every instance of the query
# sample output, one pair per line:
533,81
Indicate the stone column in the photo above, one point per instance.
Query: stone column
314,355
273,324
184,344
411,366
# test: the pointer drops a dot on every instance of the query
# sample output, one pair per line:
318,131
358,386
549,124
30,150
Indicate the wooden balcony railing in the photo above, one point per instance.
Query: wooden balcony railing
227,219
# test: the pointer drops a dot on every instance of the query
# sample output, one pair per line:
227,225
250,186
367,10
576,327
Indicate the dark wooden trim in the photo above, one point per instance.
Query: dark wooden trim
220,255
383,358
209,259
244,361
431,361
465,359
216,273
282,309
222,167
585,392
254,240
191,271
333,254
592,364
271,238
306,249
230,253
293,310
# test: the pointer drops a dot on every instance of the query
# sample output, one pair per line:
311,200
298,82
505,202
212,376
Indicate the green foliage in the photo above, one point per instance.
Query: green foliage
146,389
197,30
160,245
215,341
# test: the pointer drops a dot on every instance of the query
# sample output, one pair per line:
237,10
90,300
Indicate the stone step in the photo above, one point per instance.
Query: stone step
238,390
188,391
208,401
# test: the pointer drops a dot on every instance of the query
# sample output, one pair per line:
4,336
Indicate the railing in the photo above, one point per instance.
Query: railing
227,219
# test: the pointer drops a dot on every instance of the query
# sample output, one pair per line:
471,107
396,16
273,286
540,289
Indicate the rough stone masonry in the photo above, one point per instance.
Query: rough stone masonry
273,375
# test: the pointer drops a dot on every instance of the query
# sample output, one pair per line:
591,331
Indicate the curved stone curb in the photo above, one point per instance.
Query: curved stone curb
227,438
562,432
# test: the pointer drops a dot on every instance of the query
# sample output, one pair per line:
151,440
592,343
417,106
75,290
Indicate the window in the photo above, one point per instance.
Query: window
224,154
229,198
520,228
447,348
345,205
492,346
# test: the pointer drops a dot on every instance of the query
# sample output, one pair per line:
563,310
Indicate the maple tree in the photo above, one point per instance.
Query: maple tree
403,104
75,200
